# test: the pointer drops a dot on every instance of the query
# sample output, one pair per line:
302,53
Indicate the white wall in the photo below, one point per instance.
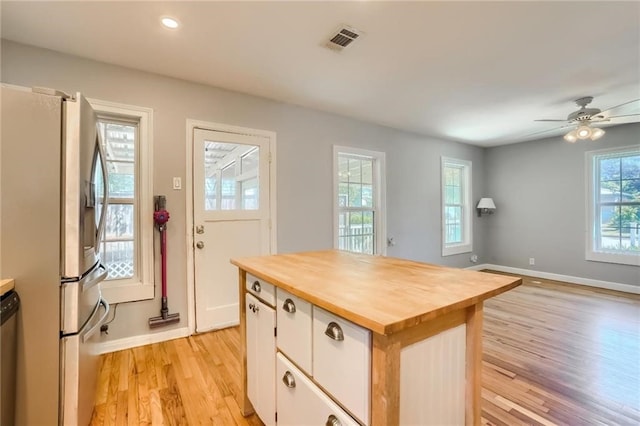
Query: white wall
304,155
540,194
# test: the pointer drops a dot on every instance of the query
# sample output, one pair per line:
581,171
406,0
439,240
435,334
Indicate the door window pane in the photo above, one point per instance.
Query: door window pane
250,194
250,161
228,187
210,191
231,176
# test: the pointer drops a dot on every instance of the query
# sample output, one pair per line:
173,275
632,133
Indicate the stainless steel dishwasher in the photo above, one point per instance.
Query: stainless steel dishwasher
9,304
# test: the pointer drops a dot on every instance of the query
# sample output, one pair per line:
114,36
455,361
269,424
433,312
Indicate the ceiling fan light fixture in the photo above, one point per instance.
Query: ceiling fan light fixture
584,132
571,137
597,134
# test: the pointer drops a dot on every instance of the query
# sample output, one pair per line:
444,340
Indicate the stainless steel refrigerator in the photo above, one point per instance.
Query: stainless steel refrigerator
53,190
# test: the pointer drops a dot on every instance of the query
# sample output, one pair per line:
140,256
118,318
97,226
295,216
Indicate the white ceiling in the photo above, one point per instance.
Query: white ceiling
475,72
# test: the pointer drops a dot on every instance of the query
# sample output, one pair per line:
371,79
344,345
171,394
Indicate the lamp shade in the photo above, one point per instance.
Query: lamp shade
597,134
486,203
571,136
584,131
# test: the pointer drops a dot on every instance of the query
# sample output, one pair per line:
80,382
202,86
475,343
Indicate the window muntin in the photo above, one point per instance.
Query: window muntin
614,205
359,200
456,206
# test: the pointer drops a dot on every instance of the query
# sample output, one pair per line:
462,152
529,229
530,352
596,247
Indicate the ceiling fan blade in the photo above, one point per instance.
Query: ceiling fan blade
618,106
551,130
621,116
558,121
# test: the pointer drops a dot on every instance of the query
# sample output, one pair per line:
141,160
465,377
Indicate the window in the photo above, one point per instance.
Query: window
456,206
613,194
359,200
235,166
127,245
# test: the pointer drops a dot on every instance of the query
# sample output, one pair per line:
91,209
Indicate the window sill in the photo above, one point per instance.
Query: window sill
457,249
115,292
622,259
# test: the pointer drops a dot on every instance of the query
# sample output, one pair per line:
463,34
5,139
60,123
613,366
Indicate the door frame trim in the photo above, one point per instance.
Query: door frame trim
188,187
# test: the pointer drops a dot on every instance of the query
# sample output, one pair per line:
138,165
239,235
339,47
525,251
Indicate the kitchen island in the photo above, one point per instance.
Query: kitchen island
377,340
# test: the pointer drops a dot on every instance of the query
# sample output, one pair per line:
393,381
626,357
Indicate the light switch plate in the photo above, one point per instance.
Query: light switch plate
177,183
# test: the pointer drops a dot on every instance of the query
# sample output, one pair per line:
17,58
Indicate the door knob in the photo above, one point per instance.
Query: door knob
200,244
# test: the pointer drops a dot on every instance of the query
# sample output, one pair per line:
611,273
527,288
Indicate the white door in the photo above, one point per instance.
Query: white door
231,217
261,359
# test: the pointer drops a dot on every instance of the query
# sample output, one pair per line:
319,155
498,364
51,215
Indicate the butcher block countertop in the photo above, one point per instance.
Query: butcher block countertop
6,285
383,294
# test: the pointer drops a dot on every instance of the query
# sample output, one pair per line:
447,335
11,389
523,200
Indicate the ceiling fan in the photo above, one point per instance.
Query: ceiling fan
584,117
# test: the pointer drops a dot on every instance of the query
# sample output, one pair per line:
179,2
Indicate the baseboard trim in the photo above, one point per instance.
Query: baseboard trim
626,288
478,267
145,339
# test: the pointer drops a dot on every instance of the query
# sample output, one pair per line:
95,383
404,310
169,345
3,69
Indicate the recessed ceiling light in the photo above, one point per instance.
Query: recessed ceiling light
169,23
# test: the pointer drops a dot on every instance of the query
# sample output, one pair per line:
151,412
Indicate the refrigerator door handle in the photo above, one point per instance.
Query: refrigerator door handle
98,275
92,330
105,181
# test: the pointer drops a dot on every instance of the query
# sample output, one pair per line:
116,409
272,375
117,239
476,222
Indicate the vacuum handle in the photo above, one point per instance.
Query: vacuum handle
160,202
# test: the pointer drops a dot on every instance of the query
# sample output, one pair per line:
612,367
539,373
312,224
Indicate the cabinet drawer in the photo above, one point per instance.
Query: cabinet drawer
261,289
301,402
294,328
342,361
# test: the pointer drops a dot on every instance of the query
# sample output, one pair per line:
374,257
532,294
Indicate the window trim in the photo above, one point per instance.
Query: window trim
467,208
590,226
379,177
142,288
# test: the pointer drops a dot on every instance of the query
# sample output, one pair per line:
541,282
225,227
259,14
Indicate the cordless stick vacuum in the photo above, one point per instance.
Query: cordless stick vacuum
161,217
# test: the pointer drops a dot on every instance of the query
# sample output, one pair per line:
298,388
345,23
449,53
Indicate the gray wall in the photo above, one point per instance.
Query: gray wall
540,195
304,162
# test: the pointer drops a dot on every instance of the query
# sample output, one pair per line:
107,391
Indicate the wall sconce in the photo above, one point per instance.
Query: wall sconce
485,206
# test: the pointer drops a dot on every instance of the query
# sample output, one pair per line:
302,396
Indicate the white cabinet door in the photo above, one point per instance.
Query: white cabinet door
261,359
342,361
302,403
294,328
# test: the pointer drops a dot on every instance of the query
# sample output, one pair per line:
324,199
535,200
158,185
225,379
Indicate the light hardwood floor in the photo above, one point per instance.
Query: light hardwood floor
553,354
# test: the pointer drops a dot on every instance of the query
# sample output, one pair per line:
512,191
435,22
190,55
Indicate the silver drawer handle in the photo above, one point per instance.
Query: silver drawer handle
289,306
256,286
288,380
333,421
334,331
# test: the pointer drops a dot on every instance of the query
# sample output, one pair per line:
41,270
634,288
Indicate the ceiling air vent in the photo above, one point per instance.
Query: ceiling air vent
343,37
